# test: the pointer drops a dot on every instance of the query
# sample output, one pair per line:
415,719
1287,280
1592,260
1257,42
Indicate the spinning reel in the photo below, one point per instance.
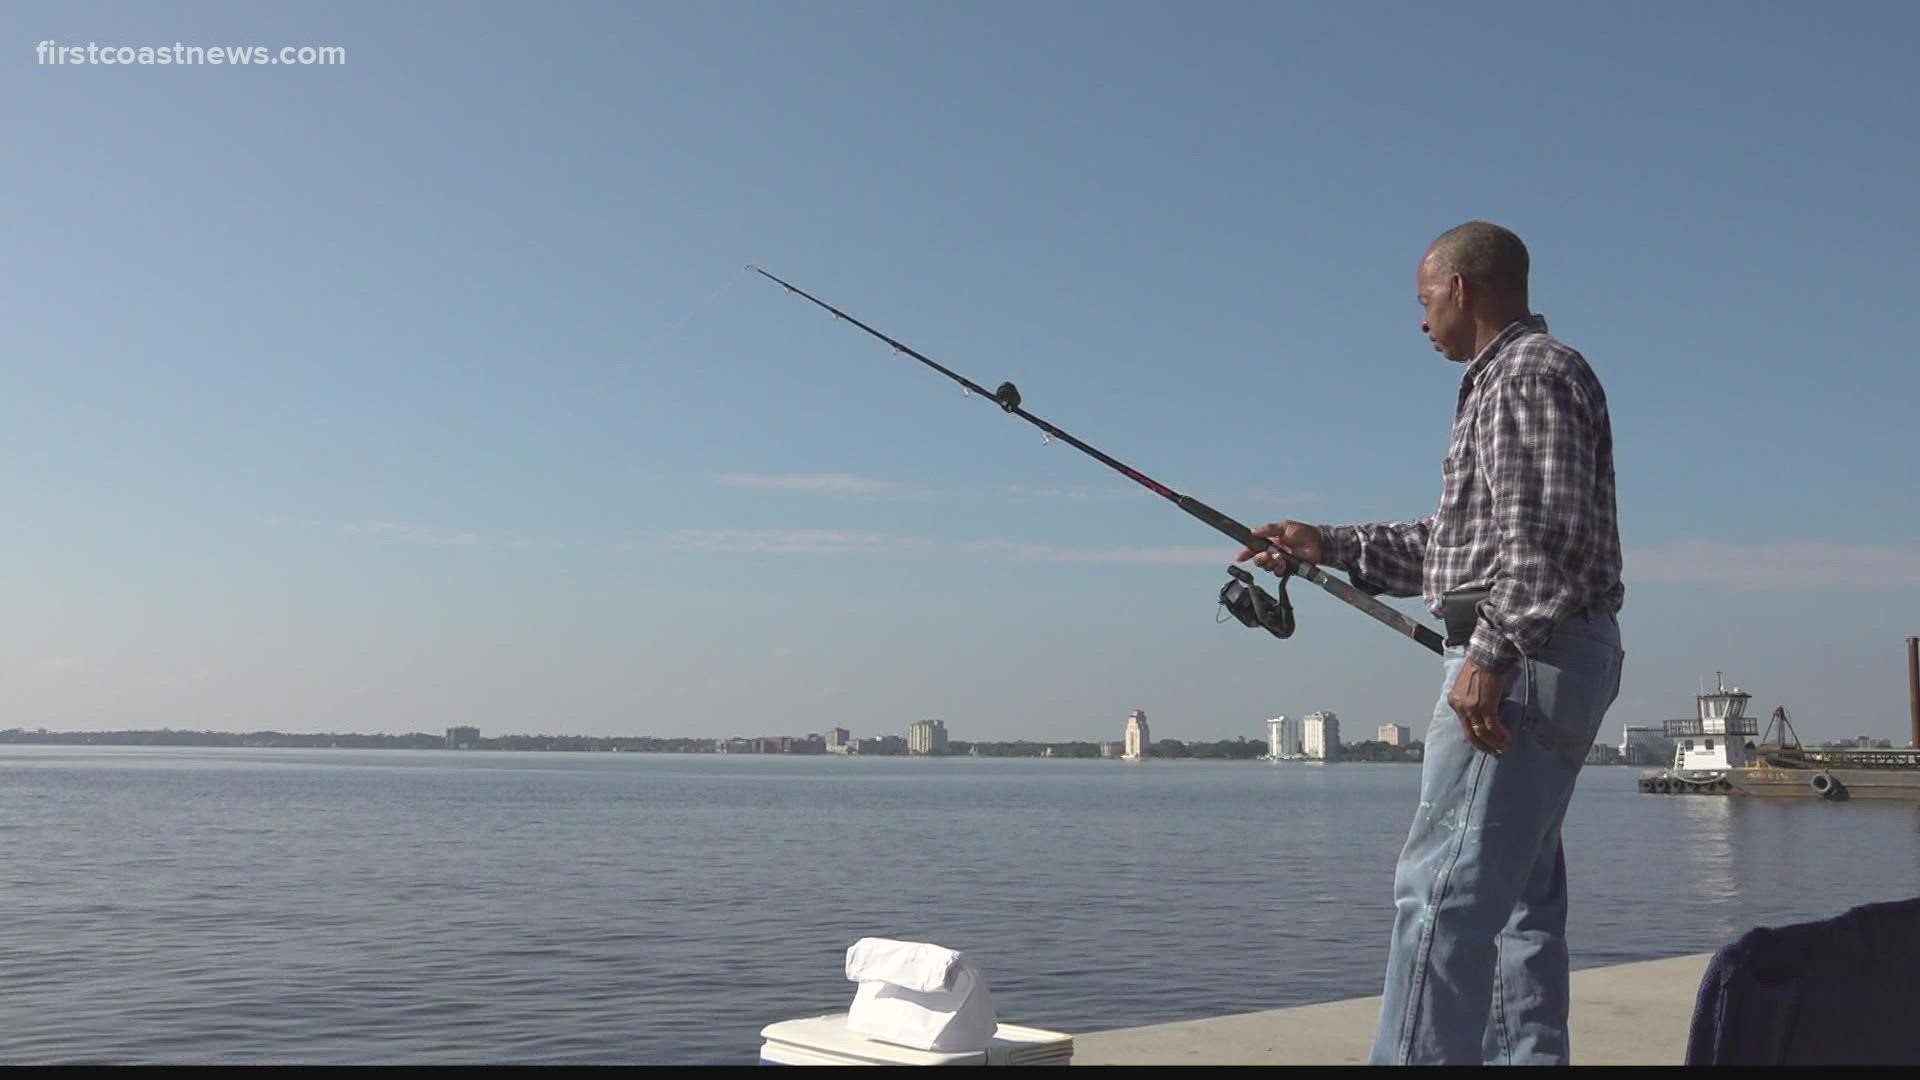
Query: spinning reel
1245,600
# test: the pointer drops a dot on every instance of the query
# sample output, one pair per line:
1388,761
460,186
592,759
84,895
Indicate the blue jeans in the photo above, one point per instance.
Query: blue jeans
1477,970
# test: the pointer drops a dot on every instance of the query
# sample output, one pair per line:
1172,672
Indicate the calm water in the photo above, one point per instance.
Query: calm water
261,906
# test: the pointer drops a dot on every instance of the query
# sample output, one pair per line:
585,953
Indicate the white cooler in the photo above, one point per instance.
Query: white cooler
825,1040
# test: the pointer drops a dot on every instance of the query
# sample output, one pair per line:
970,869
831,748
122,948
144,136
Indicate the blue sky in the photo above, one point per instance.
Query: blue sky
431,389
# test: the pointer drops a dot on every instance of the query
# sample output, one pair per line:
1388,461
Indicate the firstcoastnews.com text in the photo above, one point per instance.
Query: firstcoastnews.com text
51,52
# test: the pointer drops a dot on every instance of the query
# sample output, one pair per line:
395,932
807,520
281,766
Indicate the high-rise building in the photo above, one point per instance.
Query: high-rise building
927,737
462,738
1283,737
1321,737
839,740
1395,734
1138,741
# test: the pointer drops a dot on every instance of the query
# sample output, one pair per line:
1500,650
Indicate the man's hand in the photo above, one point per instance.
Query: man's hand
1475,699
1293,537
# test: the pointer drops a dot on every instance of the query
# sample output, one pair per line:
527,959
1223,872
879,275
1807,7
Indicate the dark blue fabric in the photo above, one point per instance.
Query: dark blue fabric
1840,991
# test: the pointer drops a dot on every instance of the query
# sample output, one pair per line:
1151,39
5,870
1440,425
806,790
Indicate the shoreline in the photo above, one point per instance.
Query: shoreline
268,740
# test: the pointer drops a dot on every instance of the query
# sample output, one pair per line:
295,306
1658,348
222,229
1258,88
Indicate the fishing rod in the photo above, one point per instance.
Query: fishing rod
1244,599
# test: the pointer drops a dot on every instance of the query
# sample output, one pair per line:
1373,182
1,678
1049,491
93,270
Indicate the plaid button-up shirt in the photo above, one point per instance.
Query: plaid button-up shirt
1526,508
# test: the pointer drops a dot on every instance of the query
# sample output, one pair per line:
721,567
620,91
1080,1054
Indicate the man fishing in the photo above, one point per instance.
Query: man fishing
1522,562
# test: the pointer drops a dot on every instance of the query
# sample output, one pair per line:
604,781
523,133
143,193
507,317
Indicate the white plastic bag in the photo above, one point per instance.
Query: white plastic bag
920,995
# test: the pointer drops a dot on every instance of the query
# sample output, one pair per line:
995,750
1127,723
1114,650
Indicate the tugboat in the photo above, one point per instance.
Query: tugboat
1713,756
1708,747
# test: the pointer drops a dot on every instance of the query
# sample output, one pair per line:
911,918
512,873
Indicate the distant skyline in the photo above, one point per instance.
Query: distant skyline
430,388
670,735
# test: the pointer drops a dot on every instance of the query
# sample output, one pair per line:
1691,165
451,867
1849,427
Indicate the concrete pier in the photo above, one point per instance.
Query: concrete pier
1632,1014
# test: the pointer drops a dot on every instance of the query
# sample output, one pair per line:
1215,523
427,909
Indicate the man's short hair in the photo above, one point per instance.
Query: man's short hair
1486,255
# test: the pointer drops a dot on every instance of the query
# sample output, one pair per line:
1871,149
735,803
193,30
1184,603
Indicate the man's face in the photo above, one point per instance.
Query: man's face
1443,314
